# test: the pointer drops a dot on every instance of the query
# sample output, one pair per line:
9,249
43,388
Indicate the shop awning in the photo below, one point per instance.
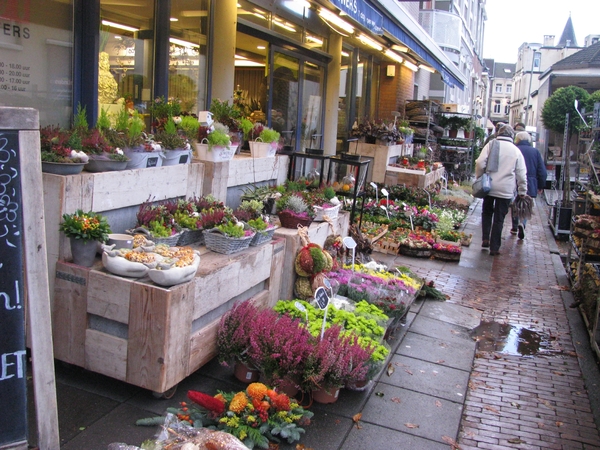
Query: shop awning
407,30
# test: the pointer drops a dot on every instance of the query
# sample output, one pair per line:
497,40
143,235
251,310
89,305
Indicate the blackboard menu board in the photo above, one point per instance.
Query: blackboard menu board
13,387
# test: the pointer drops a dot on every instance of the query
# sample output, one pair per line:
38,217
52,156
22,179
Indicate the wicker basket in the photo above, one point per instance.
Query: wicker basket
289,220
218,242
416,252
189,237
446,256
260,237
332,212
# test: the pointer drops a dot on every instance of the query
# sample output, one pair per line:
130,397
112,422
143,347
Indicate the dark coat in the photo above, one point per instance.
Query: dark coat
536,170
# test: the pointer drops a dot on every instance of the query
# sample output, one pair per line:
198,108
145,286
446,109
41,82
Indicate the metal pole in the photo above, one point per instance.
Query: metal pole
529,91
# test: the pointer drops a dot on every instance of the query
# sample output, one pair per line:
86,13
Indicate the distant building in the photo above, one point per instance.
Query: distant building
500,90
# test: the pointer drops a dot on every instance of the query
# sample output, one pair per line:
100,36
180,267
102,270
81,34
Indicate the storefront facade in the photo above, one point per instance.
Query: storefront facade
307,70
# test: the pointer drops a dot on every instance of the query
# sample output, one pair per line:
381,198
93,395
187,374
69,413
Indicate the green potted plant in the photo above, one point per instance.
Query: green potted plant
214,143
176,146
230,236
264,141
61,151
85,231
293,210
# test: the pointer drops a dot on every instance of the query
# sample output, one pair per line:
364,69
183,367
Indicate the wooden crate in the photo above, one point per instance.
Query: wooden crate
382,156
396,175
150,336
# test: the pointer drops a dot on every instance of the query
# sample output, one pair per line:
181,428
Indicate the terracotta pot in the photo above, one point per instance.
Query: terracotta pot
288,387
326,396
452,133
245,374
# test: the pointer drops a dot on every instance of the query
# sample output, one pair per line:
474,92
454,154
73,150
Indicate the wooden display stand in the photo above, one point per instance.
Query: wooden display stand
150,336
382,155
415,178
317,233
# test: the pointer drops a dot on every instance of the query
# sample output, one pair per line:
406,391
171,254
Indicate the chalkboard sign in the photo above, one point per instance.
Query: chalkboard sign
321,298
13,387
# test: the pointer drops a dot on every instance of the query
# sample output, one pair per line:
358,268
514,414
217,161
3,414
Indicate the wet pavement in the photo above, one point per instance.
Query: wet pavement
503,363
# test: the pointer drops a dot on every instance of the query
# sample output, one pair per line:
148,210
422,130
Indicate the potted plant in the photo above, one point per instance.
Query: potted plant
264,141
263,230
233,340
279,345
337,359
176,146
229,115
214,143
61,151
162,110
293,210
228,237
85,231
157,221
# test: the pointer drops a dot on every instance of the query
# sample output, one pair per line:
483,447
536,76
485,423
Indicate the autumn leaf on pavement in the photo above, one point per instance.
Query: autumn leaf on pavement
451,442
390,369
396,400
408,371
548,404
492,409
356,418
516,441
301,447
411,425
438,403
561,288
559,424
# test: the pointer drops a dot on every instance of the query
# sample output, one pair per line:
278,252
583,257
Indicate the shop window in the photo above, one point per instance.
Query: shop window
187,54
126,48
312,99
36,53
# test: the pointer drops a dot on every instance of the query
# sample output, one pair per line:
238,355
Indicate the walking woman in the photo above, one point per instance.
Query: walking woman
506,166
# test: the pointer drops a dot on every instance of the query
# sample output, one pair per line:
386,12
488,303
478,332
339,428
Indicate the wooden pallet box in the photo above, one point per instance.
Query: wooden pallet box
415,178
150,336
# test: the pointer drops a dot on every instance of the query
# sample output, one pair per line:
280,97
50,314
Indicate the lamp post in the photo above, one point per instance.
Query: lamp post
535,51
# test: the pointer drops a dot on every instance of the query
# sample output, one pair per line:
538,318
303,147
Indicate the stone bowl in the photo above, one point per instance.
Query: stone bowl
120,240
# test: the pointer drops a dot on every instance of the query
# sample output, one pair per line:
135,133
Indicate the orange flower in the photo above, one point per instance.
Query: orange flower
281,402
238,402
257,391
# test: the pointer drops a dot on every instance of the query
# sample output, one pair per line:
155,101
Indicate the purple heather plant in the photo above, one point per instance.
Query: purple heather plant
234,332
279,345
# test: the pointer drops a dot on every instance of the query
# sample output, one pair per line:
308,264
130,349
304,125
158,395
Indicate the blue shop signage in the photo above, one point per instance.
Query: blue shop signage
363,13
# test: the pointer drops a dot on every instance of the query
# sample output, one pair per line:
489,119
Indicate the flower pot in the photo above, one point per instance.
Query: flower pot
174,157
142,160
62,168
326,395
216,153
105,165
263,149
83,252
288,387
453,133
289,220
245,373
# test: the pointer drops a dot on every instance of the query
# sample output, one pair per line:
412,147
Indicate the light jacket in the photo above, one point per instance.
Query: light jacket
511,169
536,170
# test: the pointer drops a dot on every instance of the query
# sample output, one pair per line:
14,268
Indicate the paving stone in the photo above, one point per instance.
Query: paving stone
431,417
425,377
376,437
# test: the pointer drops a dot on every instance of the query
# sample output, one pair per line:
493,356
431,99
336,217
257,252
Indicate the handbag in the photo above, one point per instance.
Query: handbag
482,185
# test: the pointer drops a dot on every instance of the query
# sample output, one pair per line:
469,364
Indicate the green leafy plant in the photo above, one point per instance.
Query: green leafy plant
269,135
169,138
189,126
561,103
232,229
87,226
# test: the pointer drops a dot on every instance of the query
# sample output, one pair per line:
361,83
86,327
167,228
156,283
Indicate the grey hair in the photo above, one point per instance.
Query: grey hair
522,136
507,131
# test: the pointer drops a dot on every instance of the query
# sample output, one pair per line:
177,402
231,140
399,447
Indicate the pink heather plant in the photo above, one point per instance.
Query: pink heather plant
337,359
279,345
233,334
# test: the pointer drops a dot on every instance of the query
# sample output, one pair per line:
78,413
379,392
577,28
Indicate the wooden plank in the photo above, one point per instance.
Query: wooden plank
108,296
244,169
195,180
70,313
159,329
222,277
276,271
37,286
106,354
215,179
113,190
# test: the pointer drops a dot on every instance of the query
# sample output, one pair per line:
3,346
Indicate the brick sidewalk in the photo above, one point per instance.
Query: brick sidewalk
533,402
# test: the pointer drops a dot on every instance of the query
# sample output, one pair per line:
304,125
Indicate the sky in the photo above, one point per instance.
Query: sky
512,22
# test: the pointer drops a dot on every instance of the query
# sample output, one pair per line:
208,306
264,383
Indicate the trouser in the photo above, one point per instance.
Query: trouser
492,220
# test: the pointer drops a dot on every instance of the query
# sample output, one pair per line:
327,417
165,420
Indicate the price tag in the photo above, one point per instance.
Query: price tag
321,298
349,242
385,192
301,308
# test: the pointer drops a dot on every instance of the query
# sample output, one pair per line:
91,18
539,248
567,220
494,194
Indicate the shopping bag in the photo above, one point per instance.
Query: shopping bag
482,185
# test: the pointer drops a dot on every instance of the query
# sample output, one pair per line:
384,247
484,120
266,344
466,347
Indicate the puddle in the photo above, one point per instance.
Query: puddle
510,339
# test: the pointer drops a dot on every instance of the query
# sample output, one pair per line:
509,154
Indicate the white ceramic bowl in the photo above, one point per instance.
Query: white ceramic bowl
120,240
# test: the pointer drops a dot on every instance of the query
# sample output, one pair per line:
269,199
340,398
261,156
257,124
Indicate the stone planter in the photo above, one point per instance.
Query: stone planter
105,165
83,252
174,157
142,160
62,168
